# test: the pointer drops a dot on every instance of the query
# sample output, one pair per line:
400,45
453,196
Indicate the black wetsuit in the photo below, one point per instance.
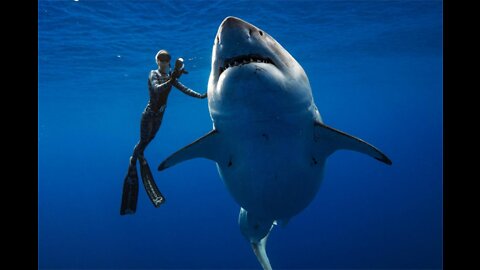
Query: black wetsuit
159,87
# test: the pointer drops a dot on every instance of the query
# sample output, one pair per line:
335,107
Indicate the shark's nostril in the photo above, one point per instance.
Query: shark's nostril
250,31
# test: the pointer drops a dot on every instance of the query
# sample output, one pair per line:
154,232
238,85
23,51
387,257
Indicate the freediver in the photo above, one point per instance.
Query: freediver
160,84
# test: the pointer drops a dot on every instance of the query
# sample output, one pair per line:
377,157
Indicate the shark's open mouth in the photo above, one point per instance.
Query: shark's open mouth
243,60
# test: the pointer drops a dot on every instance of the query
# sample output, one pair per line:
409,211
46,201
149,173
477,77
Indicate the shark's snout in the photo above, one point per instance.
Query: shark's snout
235,34
238,28
231,21
240,43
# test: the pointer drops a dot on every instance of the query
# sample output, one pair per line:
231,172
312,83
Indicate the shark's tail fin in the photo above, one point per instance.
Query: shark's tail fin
260,251
256,230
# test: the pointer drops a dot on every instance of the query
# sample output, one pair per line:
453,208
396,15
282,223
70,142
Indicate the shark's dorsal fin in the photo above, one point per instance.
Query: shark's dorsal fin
207,146
330,139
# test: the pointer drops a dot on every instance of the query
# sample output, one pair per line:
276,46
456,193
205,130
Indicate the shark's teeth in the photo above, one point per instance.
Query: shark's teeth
242,60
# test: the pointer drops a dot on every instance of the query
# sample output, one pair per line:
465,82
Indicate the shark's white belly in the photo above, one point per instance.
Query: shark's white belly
271,170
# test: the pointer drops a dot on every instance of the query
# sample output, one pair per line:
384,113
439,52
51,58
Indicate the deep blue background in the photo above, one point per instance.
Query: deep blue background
376,72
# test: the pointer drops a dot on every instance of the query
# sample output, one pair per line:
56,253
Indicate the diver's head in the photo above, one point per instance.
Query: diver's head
163,61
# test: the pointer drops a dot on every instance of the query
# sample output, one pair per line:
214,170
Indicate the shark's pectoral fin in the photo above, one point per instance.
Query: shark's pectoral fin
329,140
207,146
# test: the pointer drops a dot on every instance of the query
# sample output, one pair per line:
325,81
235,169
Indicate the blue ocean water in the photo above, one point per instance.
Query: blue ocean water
375,68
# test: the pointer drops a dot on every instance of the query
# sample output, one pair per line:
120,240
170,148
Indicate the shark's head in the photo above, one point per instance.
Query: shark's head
249,67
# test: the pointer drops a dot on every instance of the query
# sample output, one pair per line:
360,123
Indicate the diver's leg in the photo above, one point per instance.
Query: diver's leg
148,182
147,133
130,183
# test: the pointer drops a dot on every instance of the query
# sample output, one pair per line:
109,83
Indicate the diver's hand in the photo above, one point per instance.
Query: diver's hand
176,75
203,96
173,77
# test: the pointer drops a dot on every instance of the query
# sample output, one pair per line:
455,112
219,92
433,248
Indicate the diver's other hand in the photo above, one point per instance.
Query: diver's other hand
203,96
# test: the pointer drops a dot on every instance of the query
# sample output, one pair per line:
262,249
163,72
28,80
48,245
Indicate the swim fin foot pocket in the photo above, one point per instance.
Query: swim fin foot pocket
149,183
130,191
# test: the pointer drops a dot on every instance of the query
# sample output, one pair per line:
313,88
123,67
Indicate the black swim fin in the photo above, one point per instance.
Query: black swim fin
152,190
130,191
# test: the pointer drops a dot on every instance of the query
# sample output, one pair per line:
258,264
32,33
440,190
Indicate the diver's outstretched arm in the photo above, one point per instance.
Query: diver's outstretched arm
187,90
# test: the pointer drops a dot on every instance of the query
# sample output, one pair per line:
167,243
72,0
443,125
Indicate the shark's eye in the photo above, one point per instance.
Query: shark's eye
261,33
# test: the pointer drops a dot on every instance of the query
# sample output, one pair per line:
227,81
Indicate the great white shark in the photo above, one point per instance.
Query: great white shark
268,139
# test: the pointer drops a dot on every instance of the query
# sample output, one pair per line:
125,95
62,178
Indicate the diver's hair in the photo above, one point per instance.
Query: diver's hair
163,53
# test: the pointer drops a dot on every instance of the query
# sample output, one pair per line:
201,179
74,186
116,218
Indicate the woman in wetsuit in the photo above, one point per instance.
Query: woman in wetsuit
160,84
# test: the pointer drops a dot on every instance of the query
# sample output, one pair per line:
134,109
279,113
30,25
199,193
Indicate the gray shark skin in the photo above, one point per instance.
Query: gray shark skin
268,139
